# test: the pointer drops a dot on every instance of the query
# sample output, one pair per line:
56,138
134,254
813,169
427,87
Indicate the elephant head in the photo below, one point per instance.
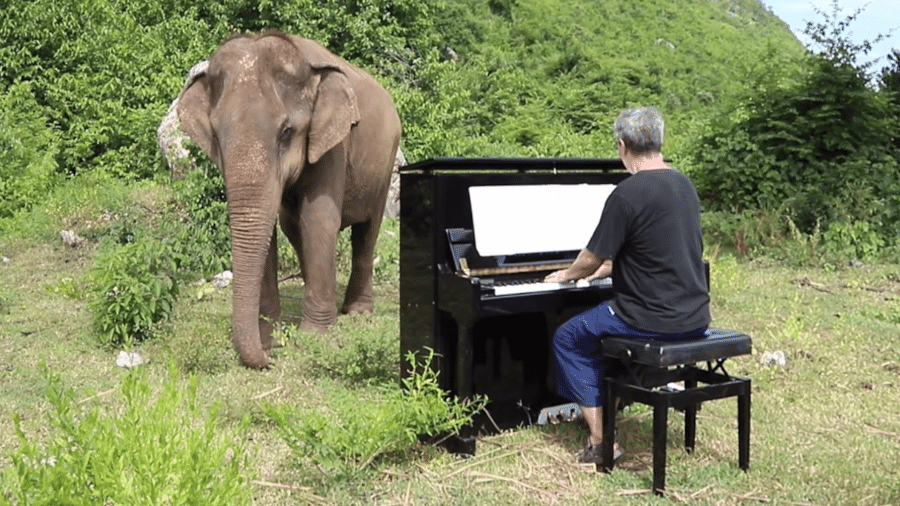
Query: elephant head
302,134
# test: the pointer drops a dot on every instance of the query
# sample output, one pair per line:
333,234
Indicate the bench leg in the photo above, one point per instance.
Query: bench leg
609,424
660,420
744,429
690,420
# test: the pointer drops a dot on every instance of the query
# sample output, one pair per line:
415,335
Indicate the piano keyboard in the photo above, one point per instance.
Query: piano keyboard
534,287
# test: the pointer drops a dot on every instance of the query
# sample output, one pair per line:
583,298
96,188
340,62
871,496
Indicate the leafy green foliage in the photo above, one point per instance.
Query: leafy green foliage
821,149
163,448
355,434
138,276
103,73
28,168
132,290
196,228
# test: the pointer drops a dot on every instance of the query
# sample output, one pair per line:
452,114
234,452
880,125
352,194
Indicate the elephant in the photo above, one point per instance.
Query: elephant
304,138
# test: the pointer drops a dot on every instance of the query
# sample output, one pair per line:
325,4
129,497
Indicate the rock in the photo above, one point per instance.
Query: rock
71,238
392,207
222,279
130,360
774,358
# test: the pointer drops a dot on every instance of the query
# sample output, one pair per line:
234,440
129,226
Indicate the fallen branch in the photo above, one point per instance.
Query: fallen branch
883,432
295,275
633,491
812,284
101,394
265,394
282,486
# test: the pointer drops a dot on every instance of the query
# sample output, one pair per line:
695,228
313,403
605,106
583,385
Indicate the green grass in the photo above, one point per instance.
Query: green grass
825,429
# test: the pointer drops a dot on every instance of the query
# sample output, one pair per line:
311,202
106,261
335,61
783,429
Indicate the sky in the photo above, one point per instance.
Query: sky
878,17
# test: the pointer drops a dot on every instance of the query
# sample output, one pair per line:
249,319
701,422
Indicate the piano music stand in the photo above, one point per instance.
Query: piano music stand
652,366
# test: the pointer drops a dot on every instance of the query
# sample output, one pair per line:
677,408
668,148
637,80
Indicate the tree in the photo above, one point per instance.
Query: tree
821,146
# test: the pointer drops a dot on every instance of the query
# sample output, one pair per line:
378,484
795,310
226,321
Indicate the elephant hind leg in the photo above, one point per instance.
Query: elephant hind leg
358,297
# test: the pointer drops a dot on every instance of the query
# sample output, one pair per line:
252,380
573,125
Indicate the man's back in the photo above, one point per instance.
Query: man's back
651,229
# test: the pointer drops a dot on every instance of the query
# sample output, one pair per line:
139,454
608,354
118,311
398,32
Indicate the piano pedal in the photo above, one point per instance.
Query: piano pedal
559,414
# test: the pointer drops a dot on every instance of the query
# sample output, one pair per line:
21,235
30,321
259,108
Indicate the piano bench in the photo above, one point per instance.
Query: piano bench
651,369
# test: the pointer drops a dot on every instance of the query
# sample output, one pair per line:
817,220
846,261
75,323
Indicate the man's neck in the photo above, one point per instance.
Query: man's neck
654,162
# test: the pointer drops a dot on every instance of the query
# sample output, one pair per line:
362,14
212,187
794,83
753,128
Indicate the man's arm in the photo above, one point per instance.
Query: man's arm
587,265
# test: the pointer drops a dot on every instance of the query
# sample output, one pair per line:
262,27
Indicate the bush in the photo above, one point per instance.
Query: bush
132,290
28,169
136,279
197,229
162,449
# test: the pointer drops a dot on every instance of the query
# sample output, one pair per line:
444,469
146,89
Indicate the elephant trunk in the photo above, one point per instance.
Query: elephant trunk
252,219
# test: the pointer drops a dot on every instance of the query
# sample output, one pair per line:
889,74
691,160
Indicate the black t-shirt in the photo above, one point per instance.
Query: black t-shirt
650,228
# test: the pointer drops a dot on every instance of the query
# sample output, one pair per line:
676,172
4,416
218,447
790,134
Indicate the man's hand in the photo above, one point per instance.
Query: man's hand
556,277
587,266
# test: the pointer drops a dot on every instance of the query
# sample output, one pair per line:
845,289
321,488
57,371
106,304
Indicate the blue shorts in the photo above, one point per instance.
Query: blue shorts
580,365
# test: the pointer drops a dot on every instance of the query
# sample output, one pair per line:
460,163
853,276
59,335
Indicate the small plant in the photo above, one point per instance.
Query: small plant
355,433
852,241
362,355
161,449
132,291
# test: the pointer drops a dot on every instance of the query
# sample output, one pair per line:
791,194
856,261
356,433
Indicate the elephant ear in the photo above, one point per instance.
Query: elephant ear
193,112
334,113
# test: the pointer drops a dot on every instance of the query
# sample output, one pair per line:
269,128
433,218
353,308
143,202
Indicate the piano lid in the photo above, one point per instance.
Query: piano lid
522,165
522,219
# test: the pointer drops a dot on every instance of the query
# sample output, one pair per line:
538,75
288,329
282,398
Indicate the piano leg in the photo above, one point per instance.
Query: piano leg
465,364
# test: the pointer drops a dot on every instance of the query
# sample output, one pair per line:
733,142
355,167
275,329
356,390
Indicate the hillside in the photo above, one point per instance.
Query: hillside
547,77
471,77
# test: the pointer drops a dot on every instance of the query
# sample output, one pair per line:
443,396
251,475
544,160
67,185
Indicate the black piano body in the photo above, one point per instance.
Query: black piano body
495,345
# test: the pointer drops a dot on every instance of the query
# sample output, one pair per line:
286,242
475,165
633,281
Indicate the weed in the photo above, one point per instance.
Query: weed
161,449
353,434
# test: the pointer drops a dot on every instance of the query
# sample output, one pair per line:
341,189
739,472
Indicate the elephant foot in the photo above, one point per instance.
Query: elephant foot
266,331
358,308
258,361
309,326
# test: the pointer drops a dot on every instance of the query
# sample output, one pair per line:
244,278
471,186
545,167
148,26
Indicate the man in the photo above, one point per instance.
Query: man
649,241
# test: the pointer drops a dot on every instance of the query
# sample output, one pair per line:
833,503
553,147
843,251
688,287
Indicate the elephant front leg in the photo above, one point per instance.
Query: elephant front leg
319,227
358,298
269,298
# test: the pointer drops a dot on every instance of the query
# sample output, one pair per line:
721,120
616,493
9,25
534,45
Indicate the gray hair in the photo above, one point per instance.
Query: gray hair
641,128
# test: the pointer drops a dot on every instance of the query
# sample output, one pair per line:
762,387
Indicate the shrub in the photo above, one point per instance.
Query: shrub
197,230
161,449
28,168
136,279
133,289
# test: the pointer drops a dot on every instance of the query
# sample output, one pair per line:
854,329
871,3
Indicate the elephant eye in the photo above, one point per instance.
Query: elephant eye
287,133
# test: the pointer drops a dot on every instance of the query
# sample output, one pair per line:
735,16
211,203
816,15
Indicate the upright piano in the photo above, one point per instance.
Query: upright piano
477,237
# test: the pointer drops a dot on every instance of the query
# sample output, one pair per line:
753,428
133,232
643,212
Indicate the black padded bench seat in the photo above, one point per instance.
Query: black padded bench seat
652,366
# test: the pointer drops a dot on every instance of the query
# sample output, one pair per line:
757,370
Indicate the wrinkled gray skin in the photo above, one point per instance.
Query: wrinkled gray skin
304,136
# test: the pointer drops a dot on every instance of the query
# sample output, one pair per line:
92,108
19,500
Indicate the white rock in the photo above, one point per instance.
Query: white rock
222,279
70,238
774,358
129,360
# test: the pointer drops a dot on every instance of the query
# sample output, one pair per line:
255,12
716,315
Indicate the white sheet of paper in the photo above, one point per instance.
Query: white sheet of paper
535,218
